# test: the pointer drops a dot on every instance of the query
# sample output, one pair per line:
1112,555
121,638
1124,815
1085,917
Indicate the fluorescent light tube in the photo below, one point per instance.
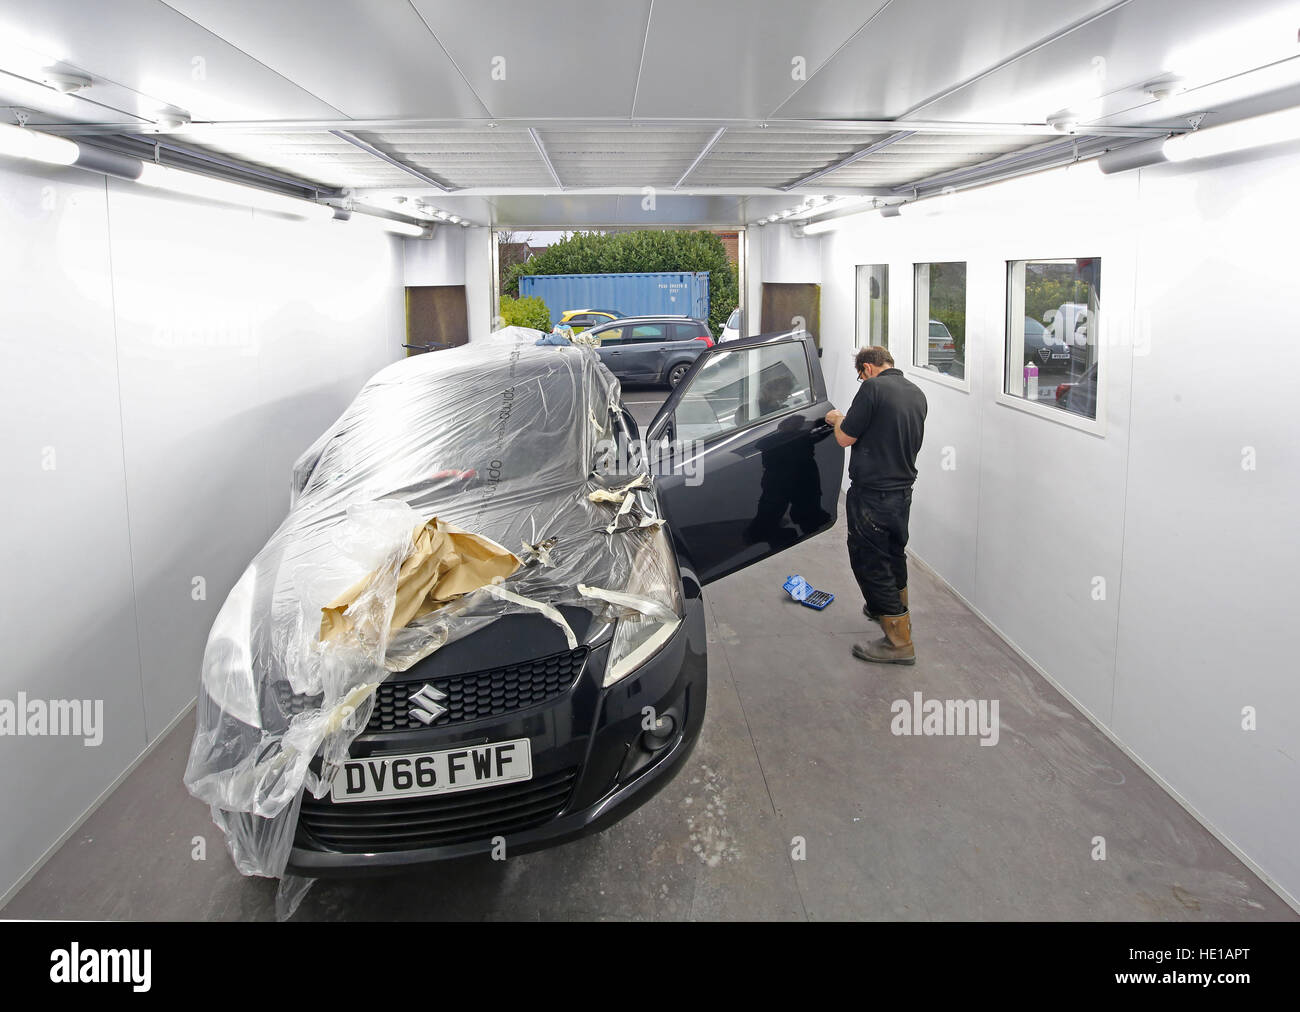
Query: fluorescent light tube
192,184
386,224
1257,131
20,142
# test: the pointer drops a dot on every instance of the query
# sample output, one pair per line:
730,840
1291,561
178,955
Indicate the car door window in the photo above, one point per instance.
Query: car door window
610,336
734,389
647,332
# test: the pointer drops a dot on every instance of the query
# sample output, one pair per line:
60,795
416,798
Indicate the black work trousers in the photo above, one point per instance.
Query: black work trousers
877,539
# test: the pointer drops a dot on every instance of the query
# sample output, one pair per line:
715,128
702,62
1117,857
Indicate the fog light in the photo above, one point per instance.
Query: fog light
661,734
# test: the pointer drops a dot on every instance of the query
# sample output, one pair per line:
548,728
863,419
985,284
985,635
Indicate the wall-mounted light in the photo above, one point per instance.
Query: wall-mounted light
1255,132
891,210
371,221
210,188
20,142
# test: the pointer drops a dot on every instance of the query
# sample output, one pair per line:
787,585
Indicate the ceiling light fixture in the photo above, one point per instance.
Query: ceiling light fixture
1064,121
167,120
65,84
1163,89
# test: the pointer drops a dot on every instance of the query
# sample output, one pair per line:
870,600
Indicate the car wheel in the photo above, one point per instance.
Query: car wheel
677,373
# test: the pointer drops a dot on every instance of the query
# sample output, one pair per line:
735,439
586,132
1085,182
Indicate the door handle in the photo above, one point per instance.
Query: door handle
822,429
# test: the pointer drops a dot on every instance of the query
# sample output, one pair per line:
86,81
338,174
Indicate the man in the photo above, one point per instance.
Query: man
884,427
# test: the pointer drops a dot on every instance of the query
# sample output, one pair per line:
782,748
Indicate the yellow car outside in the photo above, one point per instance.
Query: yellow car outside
589,318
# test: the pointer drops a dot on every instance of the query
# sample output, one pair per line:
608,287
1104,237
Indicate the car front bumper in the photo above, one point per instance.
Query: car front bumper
591,759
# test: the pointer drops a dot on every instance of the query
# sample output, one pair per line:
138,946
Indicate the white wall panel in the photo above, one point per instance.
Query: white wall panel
1207,626
177,356
436,261
1199,342
67,615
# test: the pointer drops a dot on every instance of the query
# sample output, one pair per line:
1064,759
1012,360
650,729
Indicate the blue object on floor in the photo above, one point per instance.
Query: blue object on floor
797,587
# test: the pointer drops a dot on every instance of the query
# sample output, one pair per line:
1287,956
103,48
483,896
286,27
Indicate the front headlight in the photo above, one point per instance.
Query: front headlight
654,579
228,659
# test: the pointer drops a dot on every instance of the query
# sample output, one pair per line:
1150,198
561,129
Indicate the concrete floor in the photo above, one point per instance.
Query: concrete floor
796,743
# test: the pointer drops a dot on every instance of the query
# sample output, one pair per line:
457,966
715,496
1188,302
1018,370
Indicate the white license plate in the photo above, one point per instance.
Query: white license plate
422,773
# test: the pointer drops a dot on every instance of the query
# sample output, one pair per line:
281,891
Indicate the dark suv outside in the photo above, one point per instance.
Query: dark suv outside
652,349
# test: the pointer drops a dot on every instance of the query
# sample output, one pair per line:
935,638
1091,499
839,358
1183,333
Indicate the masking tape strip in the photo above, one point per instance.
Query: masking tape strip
651,609
501,594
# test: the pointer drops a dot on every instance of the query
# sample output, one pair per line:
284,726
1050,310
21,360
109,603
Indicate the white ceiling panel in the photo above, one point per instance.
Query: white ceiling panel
917,49
738,60
366,59
1102,67
553,58
153,50
111,104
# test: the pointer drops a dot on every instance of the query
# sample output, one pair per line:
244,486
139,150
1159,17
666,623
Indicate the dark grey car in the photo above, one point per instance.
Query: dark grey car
652,349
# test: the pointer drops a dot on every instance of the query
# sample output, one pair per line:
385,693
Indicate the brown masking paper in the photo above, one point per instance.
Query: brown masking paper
445,563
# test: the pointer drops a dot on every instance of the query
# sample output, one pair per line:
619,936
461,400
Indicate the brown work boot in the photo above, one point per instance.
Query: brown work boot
866,610
895,647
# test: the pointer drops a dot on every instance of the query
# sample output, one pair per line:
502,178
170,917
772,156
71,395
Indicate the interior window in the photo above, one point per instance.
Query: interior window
873,305
940,307
1053,312
737,388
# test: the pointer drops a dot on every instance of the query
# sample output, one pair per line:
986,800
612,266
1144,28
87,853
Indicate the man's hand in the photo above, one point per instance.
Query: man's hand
833,419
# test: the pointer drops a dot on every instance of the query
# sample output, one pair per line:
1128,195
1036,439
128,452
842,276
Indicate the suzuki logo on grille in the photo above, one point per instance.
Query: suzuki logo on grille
424,704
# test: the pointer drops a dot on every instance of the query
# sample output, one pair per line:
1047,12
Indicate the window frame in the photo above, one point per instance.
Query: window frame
913,369
1014,305
857,303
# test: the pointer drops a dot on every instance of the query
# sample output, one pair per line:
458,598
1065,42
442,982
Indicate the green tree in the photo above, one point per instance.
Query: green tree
643,251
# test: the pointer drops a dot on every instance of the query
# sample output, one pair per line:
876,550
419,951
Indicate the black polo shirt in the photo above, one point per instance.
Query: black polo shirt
887,418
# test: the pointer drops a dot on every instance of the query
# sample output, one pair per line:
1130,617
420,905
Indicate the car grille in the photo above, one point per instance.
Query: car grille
471,696
438,821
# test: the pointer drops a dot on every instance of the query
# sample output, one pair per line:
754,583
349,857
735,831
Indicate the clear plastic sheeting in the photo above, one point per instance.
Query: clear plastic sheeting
497,441
512,334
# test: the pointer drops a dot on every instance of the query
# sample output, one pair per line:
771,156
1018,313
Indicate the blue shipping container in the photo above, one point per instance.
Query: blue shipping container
680,293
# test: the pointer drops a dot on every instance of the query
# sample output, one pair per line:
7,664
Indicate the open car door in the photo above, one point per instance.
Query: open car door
745,463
